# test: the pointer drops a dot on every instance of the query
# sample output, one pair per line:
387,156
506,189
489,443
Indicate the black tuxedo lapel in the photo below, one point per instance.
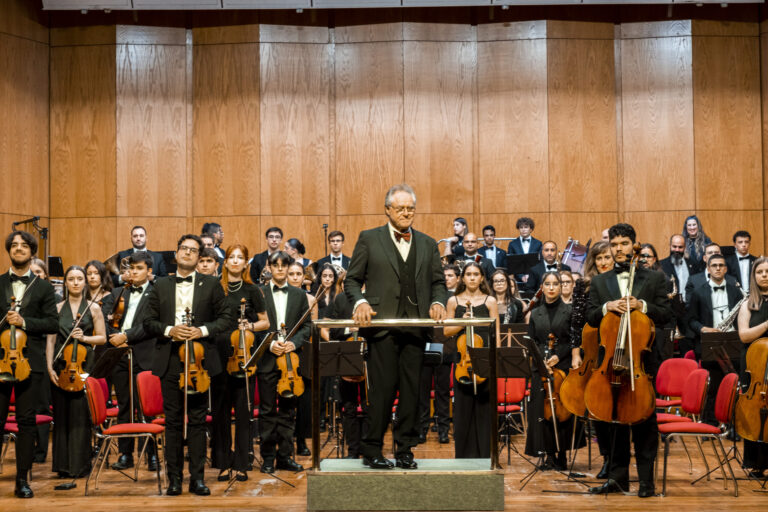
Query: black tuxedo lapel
734,295
270,305
389,248
291,315
612,283
639,284
421,258
707,303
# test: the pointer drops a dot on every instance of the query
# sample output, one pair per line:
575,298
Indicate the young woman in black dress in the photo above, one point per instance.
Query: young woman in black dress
472,410
510,308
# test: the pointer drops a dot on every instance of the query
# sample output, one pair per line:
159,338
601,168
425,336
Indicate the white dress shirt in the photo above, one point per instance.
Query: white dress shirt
526,244
744,271
719,302
133,305
403,247
185,293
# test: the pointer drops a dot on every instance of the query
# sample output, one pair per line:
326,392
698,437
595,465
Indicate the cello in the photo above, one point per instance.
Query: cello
619,390
751,414
241,341
14,364
556,409
463,370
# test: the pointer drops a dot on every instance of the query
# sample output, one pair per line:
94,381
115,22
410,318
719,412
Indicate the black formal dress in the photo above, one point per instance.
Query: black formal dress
71,419
755,454
209,310
472,412
228,392
513,313
38,309
396,287
650,286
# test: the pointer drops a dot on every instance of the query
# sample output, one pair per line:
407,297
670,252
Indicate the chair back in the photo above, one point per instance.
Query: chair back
726,398
510,390
104,389
150,394
695,392
97,405
672,374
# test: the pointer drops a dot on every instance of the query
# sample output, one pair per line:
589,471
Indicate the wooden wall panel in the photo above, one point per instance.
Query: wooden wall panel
512,132
24,126
369,125
244,230
225,143
151,130
727,141
368,25
582,125
352,225
764,105
721,225
295,125
83,131
439,80
78,241
656,227
579,226
657,113
24,19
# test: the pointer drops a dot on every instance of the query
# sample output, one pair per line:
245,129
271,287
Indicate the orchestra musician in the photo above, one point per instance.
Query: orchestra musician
510,307
98,280
753,325
165,320
208,262
496,256
228,392
139,244
455,245
607,292
525,243
566,282
700,278
471,407
696,241
336,257
71,419
217,232
403,278
677,265
274,237
37,316
470,254
130,332
547,263
285,305
740,263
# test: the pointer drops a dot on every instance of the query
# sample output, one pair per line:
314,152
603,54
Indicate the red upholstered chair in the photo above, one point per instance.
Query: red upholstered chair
146,431
670,380
510,393
724,404
150,397
111,411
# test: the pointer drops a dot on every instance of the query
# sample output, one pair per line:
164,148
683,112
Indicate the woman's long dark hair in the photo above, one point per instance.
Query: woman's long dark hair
483,284
335,288
106,279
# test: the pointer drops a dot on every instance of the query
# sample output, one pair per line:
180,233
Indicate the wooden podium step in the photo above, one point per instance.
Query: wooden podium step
438,484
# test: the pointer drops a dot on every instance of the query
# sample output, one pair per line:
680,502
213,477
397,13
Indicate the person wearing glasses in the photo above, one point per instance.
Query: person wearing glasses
165,321
510,307
274,237
566,281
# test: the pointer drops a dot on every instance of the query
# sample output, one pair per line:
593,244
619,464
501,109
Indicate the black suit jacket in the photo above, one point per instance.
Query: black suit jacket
141,342
669,268
696,280
700,309
484,263
650,286
516,246
536,275
344,261
158,264
257,265
734,269
375,265
501,256
296,306
209,307
38,309
539,329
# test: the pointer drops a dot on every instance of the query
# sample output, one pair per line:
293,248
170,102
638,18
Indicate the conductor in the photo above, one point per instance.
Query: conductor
403,278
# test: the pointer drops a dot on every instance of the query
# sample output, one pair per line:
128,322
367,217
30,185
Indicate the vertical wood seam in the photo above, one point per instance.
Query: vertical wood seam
332,161
475,132
619,98
189,93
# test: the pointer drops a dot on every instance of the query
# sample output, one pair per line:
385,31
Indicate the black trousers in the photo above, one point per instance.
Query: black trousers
277,418
354,424
394,365
645,437
229,393
304,412
442,383
26,399
42,385
173,407
120,379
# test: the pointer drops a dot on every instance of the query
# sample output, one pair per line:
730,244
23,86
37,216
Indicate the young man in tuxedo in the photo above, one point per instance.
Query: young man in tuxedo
130,333
471,254
496,256
649,296
525,243
274,237
336,243
165,320
403,278
548,263
37,316
215,230
277,415
208,263
139,242
710,304
696,280
740,263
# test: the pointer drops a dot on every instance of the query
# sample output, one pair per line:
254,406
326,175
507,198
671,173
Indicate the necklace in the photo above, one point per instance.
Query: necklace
235,287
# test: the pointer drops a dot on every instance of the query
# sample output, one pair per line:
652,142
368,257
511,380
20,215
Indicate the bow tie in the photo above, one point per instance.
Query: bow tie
620,268
276,288
719,288
403,236
137,289
551,267
525,239
23,279
187,279
743,258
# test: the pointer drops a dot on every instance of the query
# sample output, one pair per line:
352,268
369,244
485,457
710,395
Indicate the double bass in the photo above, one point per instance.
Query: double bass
751,414
619,391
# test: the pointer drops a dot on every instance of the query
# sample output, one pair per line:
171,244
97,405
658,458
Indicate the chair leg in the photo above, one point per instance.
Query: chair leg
666,455
720,463
157,466
98,464
727,462
704,457
688,454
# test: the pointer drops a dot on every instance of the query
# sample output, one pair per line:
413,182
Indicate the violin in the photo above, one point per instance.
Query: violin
463,370
242,346
195,378
118,310
534,300
355,337
620,391
71,375
552,391
751,412
290,384
572,390
14,365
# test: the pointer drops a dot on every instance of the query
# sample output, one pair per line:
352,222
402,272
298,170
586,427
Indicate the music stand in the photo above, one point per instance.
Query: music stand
107,361
721,348
511,334
521,263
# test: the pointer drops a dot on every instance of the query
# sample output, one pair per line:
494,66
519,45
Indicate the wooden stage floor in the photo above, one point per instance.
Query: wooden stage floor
265,493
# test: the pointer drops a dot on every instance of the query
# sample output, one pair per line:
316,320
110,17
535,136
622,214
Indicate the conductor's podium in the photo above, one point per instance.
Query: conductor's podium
438,484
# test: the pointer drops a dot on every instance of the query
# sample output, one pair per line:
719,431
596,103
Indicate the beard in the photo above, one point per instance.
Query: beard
20,262
676,257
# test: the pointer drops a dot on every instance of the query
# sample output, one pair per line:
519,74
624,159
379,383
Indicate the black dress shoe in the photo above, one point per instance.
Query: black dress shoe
646,490
224,475
406,461
22,489
302,449
152,463
174,486
610,486
378,462
423,437
198,487
123,462
444,438
268,466
603,474
288,464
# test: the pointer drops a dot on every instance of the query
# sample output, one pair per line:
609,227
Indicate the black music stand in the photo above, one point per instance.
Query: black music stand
721,348
512,334
107,361
521,263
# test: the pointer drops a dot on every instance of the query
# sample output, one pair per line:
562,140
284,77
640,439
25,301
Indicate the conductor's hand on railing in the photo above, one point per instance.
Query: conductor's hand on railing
437,312
363,314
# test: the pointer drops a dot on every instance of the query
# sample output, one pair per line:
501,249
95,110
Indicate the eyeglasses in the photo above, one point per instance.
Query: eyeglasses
403,209
274,237
189,249
646,256
499,281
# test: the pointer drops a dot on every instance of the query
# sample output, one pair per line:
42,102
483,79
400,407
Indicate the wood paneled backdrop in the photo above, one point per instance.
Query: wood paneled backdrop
299,120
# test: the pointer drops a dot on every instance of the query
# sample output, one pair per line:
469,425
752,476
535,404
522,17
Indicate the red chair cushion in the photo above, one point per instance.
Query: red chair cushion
503,409
40,419
663,417
11,428
661,403
158,421
688,428
134,428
